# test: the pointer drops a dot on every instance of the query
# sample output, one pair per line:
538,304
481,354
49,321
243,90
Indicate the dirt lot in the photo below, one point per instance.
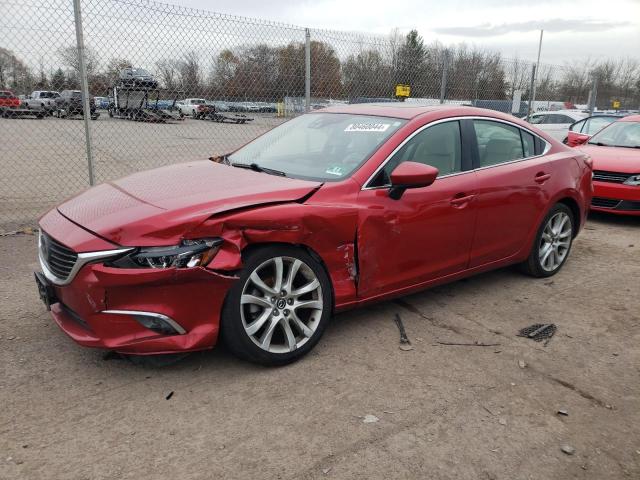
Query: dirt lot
445,412
44,161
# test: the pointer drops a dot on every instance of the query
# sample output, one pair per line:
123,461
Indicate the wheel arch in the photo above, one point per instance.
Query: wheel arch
576,213
327,233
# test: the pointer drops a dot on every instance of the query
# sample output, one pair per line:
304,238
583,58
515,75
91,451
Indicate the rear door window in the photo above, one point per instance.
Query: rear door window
499,142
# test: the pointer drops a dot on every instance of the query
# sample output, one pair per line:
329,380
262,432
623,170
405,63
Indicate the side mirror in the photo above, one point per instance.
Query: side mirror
411,175
574,138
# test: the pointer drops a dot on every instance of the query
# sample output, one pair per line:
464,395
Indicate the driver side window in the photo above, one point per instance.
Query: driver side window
438,146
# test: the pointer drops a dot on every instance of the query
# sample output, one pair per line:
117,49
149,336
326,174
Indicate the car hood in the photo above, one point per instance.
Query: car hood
613,159
158,207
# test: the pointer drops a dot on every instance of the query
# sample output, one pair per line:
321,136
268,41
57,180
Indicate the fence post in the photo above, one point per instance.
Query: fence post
531,91
593,94
443,81
307,70
84,82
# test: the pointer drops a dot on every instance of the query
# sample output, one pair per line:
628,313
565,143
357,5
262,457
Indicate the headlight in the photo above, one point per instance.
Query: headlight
189,254
633,180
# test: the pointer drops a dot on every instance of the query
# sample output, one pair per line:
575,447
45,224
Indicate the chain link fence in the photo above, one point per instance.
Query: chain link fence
172,84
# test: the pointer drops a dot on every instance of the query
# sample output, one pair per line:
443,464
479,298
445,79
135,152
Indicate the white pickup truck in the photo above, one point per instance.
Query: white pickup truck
189,106
42,99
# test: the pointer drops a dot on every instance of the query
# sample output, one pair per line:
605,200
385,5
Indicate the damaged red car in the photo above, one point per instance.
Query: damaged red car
328,211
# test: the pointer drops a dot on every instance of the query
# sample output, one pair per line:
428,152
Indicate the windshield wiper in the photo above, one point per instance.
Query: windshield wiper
600,144
257,168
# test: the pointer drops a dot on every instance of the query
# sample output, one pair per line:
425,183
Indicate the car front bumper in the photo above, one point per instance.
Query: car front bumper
616,198
103,306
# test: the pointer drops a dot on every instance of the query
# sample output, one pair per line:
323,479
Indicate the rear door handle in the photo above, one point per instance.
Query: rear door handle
542,177
461,199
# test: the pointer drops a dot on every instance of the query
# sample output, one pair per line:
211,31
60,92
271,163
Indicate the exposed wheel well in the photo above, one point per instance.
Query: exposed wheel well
575,212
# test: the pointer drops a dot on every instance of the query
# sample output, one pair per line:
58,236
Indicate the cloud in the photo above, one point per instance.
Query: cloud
551,25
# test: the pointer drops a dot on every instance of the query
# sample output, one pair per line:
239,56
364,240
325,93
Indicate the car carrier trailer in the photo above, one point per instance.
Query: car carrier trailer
226,117
134,104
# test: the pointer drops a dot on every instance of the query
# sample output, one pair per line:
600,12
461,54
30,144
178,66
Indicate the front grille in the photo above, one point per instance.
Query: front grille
612,177
59,259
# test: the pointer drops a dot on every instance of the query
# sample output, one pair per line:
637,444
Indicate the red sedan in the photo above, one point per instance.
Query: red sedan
329,211
616,162
8,99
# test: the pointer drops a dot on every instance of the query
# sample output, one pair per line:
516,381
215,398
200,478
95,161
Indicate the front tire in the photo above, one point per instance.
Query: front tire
552,244
279,308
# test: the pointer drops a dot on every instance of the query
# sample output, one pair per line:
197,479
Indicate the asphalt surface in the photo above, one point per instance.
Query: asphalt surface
358,406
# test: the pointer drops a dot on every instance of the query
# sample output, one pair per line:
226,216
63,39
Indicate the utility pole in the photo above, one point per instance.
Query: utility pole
307,70
535,74
84,83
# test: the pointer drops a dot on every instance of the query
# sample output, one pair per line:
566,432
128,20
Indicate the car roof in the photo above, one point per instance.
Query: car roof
408,111
630,118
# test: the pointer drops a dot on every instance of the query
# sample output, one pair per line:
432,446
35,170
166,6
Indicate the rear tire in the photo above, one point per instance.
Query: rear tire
552,244
278,309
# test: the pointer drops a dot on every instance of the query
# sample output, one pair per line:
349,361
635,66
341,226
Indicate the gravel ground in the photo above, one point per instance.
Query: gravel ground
443,411
44,161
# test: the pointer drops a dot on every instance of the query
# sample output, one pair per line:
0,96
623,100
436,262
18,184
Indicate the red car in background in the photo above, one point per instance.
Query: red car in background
615,151
331,210
8,99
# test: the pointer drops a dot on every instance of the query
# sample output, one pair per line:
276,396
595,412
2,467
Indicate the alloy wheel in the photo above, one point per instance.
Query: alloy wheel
555,241
281,304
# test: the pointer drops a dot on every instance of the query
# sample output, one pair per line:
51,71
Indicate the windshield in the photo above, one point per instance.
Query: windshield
319,146
141,72
618,134
48,94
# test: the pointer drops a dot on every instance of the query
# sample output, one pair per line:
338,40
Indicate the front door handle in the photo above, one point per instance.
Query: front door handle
461,200
542,177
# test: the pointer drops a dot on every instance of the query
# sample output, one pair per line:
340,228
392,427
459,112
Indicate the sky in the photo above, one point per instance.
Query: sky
573,30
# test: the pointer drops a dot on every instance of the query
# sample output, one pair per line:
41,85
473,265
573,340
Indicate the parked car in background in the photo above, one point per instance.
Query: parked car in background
220,106
137,78
556,123
70,103
42,100
252,107
591,125
266,107
101,102
8,99
236,107
615,151
189,106
331,210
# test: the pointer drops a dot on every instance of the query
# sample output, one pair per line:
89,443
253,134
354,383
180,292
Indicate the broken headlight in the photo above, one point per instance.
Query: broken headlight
189,254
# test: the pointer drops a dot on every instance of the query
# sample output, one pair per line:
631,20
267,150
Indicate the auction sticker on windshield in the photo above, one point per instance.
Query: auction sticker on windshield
367,127
335,170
